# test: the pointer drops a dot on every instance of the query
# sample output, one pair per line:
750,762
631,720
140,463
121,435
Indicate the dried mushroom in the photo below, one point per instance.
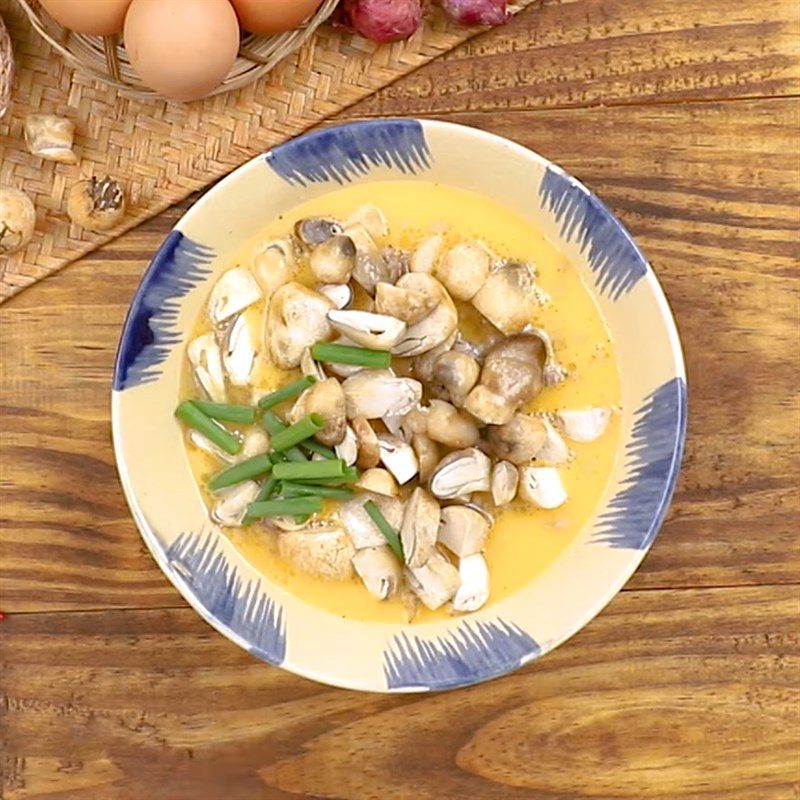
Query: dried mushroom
50,137
96,204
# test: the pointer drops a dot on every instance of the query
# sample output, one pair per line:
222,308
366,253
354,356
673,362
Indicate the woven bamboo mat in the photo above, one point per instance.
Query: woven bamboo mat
163,151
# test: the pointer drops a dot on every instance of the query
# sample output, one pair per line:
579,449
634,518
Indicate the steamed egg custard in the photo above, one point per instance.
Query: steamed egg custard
400,401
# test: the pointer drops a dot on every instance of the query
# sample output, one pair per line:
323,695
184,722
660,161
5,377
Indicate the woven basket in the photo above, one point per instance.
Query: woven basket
105,58
6,69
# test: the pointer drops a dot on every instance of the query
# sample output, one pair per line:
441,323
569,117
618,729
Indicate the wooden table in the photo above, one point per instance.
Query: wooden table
684,117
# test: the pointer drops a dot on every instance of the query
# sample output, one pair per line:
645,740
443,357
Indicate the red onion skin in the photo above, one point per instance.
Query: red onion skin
476,12
383,20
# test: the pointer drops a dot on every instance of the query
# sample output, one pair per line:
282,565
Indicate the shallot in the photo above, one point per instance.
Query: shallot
476,12
383,20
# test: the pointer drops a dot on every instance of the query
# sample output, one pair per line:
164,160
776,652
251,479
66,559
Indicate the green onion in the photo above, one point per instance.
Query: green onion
195,418
264,493
274,425
310,471
289,489
385,528
286,393
288,507
350,475
299,432
347,354
313,446
245,415
252,468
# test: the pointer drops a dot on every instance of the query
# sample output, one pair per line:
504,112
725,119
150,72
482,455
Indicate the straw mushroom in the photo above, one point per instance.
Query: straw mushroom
434,329
403,302
463,530
327,399
507,297
379,570
314,231
273,265
435,582
542,486
376,393
454,375
464,269
424,258
505,480
427,452
340,294
473,590
585,425
333,260
17,220
232,502
240,349
234,291
378,480
206,360
50,137
398,457
375,331
347,449
518,440
450,427
362,530
97,205
419,528
371,218
554,449
369,453
324,551
296,319
460,473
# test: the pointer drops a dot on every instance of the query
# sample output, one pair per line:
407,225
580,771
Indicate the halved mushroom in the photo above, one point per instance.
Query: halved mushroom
542,486
451,427
327,399
340,294
415,421
371,218
419,528
505,480
394,424
463,530
586,424
347,449
435,582
376,393
254,443
324,551
511,376
274,265
333,261
454,375
460,473
409,305
316,230
518,440
311,368
235,290
434,329
423,364
380,571
296,319
376,331
363,531
554,449
206,360
507,298
378,480
477,350
369,452
427,452
374,265
232,502
473,592
241,348
424,258
398,457
552,370
208,447
464,269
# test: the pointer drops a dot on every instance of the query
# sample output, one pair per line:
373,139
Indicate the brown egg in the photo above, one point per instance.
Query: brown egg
182,48
266,17
95,17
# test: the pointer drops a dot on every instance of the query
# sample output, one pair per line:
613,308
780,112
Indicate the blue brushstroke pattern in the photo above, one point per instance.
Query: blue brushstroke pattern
653,460
475,652
338,154
241,606
149,333
616,261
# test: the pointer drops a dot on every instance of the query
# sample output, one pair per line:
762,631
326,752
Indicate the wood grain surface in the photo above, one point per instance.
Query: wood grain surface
685,118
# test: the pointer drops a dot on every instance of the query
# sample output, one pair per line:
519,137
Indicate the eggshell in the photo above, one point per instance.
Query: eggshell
182,48
267,17
94,17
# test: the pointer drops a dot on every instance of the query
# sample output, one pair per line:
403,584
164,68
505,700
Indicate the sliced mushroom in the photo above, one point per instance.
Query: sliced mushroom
324,552
585,425
419,528
507,298
340,294
380,571
394,424
435,582
409,305
542,486
206,360
424,258
462,530
519,440
347,449
232,502
454,375
369,452
464,269
554,449
274,265
327,399
240,351
376,331
437,327
311,368
296,319
316,230
427,454
208,447
333,260
451,427
376,393
552,371
473,592
362,530
378,480
371,218
460,473
233,292
505,480
398,457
